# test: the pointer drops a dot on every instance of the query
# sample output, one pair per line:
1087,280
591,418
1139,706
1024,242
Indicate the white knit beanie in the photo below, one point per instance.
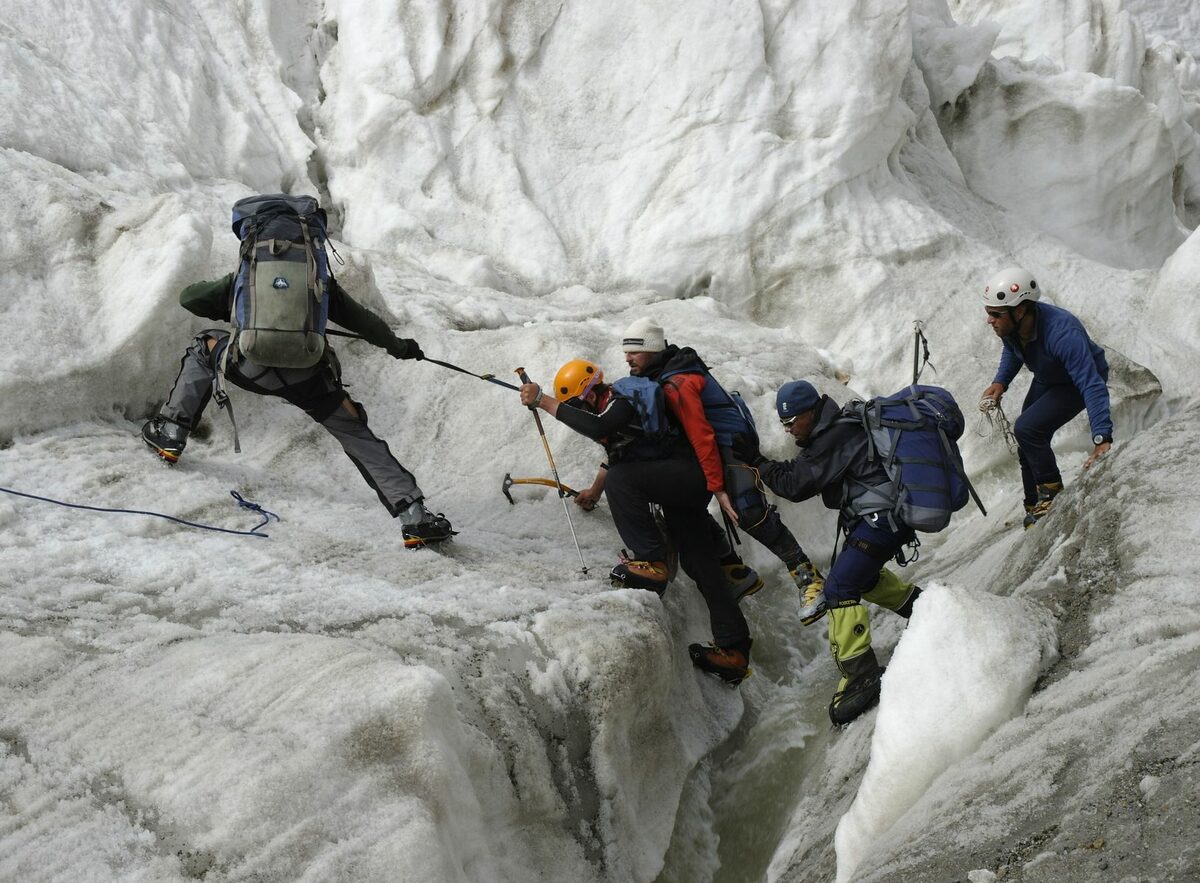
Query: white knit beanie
643,336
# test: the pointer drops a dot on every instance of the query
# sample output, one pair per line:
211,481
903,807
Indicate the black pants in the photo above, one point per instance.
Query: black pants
677,486
756,515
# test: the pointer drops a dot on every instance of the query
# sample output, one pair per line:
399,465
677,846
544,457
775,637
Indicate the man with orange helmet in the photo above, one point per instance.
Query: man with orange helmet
644,468
1070,373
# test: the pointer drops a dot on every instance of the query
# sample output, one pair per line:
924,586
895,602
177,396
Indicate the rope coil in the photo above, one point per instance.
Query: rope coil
993,423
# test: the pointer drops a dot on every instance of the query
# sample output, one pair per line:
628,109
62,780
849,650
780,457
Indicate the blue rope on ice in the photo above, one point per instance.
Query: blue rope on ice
241,501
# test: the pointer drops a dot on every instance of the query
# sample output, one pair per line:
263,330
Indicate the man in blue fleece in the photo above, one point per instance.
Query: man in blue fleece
1070,373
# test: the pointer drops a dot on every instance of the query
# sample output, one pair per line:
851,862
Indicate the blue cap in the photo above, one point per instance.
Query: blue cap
796,397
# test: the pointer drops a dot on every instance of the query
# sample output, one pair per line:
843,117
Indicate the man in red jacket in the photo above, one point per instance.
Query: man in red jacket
710,419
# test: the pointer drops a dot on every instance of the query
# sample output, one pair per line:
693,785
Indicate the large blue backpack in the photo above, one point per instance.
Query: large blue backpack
727,412
281,291
913,434
658,434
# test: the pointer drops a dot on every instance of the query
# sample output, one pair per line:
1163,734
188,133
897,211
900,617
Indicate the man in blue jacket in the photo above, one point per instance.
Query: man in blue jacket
1070,373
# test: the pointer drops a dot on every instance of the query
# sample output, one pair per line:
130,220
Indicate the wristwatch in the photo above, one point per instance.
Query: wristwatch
1099,439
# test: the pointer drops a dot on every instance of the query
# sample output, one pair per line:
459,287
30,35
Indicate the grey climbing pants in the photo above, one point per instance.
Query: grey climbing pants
318,391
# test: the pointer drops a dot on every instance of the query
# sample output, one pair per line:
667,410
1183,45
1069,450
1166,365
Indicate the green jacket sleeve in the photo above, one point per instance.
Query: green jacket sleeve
209,300
353,316
213,300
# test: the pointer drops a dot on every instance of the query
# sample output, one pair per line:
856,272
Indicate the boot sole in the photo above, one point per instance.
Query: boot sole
619,584
729,679
421,542
812,617
169,456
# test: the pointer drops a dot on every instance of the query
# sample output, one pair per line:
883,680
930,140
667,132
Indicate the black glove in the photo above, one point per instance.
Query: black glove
746,450
409,349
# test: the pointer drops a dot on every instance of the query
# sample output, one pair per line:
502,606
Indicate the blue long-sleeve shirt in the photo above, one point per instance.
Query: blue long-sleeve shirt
1061,352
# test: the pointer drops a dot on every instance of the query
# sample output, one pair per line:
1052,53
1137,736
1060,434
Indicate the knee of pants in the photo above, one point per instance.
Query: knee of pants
754,516
852,574
216,335
333,404
1029,432
616,480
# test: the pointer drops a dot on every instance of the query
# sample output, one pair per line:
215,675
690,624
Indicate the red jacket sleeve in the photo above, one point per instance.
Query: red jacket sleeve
683,398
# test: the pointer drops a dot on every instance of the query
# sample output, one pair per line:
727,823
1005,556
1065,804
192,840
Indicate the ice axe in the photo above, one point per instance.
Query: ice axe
562,493
509,481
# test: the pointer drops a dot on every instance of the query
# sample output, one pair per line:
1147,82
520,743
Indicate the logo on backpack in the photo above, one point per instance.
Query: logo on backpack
281,291
913,434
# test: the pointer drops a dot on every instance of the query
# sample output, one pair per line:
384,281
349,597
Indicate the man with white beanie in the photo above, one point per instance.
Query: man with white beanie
711,417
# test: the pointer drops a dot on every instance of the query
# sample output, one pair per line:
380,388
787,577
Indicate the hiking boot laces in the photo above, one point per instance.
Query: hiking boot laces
433,529
811,585
1045,502
164,440
636,574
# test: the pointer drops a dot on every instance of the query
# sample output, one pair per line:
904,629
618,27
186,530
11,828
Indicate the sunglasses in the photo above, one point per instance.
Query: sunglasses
997,314
788,422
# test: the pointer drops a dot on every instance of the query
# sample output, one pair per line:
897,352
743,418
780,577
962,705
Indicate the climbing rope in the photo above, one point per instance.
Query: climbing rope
993,422
241,501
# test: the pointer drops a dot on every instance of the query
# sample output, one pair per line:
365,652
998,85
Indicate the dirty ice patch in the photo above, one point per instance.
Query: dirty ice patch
617,668
277,755
965,665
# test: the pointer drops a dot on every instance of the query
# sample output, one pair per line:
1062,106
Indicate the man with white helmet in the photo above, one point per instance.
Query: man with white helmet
1070,374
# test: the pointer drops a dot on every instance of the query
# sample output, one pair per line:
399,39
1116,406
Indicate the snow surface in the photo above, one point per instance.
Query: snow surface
786,187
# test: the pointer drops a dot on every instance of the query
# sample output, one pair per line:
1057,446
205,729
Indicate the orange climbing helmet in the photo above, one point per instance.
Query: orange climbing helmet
576,379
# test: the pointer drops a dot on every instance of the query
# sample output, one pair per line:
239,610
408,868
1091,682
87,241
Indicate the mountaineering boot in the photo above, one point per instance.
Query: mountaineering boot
850,643
858,691
1046,494
811,584
165,437
649,575
892,592
743,579
422,528
728,663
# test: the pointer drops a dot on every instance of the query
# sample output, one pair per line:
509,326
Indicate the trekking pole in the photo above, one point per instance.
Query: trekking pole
562,494
490,378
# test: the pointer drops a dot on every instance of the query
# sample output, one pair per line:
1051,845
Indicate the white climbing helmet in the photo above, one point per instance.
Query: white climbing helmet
1009,287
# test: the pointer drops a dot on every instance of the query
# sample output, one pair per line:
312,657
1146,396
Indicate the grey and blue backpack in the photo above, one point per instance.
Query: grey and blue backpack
913,434
282,287
658,435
